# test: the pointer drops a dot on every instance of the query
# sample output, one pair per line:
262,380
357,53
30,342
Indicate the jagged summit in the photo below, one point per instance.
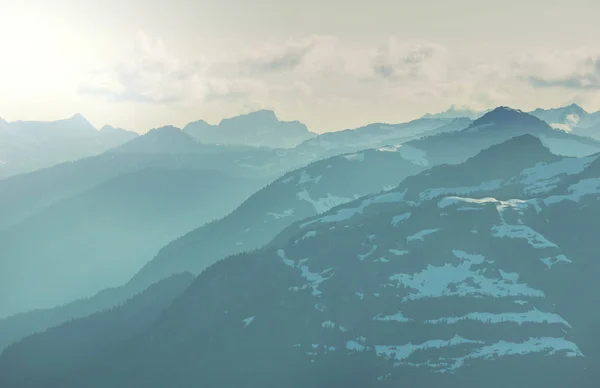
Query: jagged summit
261,128
263,116
569,109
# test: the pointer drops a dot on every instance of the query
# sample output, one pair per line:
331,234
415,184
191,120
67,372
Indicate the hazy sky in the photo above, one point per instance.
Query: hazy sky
332,64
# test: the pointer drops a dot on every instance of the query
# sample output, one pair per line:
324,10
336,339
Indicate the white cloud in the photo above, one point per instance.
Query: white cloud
316,73
149,74
411,61
577,69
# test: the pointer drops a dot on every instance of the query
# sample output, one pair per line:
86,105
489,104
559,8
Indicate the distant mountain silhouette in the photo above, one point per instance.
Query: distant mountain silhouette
455,111
260,129
30,145
572,118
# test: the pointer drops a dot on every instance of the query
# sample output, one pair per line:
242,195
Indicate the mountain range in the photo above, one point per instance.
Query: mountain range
441,252
458,274
322,185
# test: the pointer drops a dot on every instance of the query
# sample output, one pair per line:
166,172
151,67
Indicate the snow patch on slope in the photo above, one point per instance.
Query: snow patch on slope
465,279
322,205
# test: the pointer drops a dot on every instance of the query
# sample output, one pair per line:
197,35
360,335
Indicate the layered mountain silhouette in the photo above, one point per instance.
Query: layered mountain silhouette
30,145
323,185
260,129
165,147
462,273
441,252
455,111
101,237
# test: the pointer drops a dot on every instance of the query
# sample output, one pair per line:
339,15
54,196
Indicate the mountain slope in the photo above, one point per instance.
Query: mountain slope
296,195
389,290
103,331
317,188
101,237
260,129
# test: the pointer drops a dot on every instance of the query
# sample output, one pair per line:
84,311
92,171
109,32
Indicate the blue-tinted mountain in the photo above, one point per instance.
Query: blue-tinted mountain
100,238
30,145
426,286
302,194
161,148
311,194
297,195
259,129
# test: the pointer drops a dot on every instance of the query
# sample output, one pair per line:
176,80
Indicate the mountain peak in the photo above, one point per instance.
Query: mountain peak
506,116
577,109
574,105
75,123
108,128
167,139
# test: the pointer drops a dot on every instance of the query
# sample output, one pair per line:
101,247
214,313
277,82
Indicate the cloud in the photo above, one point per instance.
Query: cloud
318,73
577,69
273,59
410,61
151,75
300,56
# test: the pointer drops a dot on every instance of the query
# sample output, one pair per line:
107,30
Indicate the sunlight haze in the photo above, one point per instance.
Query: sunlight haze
332,65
